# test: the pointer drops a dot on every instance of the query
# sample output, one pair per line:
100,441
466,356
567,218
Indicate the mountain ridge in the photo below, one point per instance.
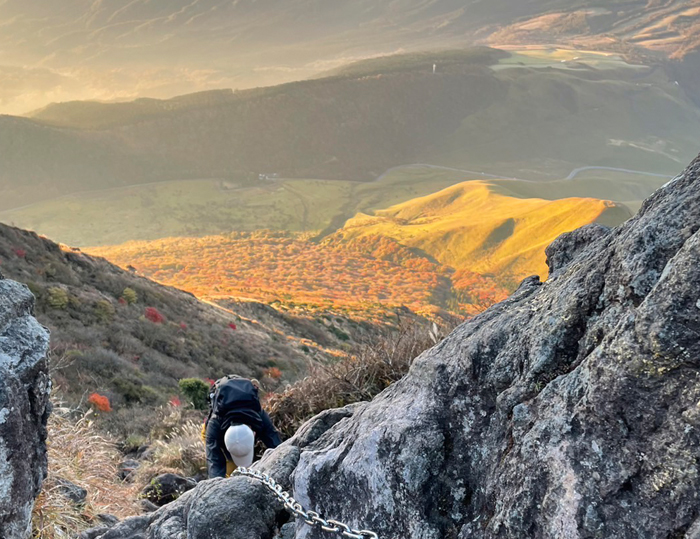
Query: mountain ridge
513,117
80,51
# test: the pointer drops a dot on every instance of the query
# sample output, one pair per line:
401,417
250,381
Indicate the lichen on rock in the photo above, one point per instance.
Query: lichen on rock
24,408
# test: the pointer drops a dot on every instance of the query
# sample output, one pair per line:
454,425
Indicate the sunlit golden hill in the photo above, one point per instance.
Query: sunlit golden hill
461,248
483,227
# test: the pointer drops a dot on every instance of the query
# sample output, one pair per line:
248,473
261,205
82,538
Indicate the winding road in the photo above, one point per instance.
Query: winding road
577,171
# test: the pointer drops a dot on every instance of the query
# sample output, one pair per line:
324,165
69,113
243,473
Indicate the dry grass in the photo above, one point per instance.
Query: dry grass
359,378
179,450
81,455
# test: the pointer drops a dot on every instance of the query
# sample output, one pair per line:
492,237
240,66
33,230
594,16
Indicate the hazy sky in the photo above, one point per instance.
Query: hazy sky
121,49
59,50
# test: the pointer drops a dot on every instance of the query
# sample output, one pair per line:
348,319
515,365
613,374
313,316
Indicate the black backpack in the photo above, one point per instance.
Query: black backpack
233,393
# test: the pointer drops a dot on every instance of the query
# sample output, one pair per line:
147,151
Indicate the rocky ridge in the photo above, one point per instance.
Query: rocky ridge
24,408
568,410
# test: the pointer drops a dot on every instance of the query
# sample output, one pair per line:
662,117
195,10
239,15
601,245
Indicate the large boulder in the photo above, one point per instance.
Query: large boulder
24,408
570,410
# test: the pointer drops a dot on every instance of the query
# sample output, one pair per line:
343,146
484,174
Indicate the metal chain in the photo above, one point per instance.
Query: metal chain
310,517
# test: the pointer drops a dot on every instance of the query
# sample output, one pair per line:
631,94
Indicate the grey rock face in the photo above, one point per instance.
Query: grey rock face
570,410
107,519
236,508
24,408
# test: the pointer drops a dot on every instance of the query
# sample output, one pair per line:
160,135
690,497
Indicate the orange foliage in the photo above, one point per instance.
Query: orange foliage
264,265
100,402
273,372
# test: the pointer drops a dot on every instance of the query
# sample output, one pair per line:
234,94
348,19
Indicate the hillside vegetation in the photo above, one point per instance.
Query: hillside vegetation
119,336
363,275
483,228
532,119
461,249
198,208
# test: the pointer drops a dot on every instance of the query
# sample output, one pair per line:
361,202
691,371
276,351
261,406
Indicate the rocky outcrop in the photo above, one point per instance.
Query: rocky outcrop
570,410
24,408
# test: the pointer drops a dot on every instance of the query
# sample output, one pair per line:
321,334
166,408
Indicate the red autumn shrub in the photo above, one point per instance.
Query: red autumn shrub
183,326
273,372
154,315
121,301
232,325
100,402
21,253
175,401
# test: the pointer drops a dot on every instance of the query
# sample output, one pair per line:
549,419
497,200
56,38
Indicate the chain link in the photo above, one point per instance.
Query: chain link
312,518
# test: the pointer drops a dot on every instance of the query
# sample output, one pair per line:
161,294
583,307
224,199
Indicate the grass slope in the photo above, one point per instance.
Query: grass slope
483,227
433,251
197,208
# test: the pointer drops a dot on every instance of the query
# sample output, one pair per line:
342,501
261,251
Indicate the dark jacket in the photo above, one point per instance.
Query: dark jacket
235,402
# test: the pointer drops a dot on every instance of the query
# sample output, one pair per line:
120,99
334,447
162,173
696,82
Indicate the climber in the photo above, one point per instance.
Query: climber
235,418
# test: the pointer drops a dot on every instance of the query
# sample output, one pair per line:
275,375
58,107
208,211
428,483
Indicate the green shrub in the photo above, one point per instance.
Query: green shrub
196,391
35,288
134,392
339,333
130,296
104,311
58,298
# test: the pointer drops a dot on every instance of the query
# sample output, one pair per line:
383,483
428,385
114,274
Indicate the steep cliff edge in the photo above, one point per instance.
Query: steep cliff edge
568,410
24,408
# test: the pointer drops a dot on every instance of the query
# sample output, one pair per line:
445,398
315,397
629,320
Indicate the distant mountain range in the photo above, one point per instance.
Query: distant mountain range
529,113
89,49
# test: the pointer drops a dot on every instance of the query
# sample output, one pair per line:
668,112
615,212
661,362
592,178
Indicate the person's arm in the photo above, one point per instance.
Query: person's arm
216,461
269,435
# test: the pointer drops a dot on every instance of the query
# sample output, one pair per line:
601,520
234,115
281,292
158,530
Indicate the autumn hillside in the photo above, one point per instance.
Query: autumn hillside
460,249
122,337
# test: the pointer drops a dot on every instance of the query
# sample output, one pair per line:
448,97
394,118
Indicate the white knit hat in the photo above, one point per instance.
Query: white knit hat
240,443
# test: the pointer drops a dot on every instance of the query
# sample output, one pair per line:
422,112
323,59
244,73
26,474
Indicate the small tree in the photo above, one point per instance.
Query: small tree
100,402
196,391
273,372
130,296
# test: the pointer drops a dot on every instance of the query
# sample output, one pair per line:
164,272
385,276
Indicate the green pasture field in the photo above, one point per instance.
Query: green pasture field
204,207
